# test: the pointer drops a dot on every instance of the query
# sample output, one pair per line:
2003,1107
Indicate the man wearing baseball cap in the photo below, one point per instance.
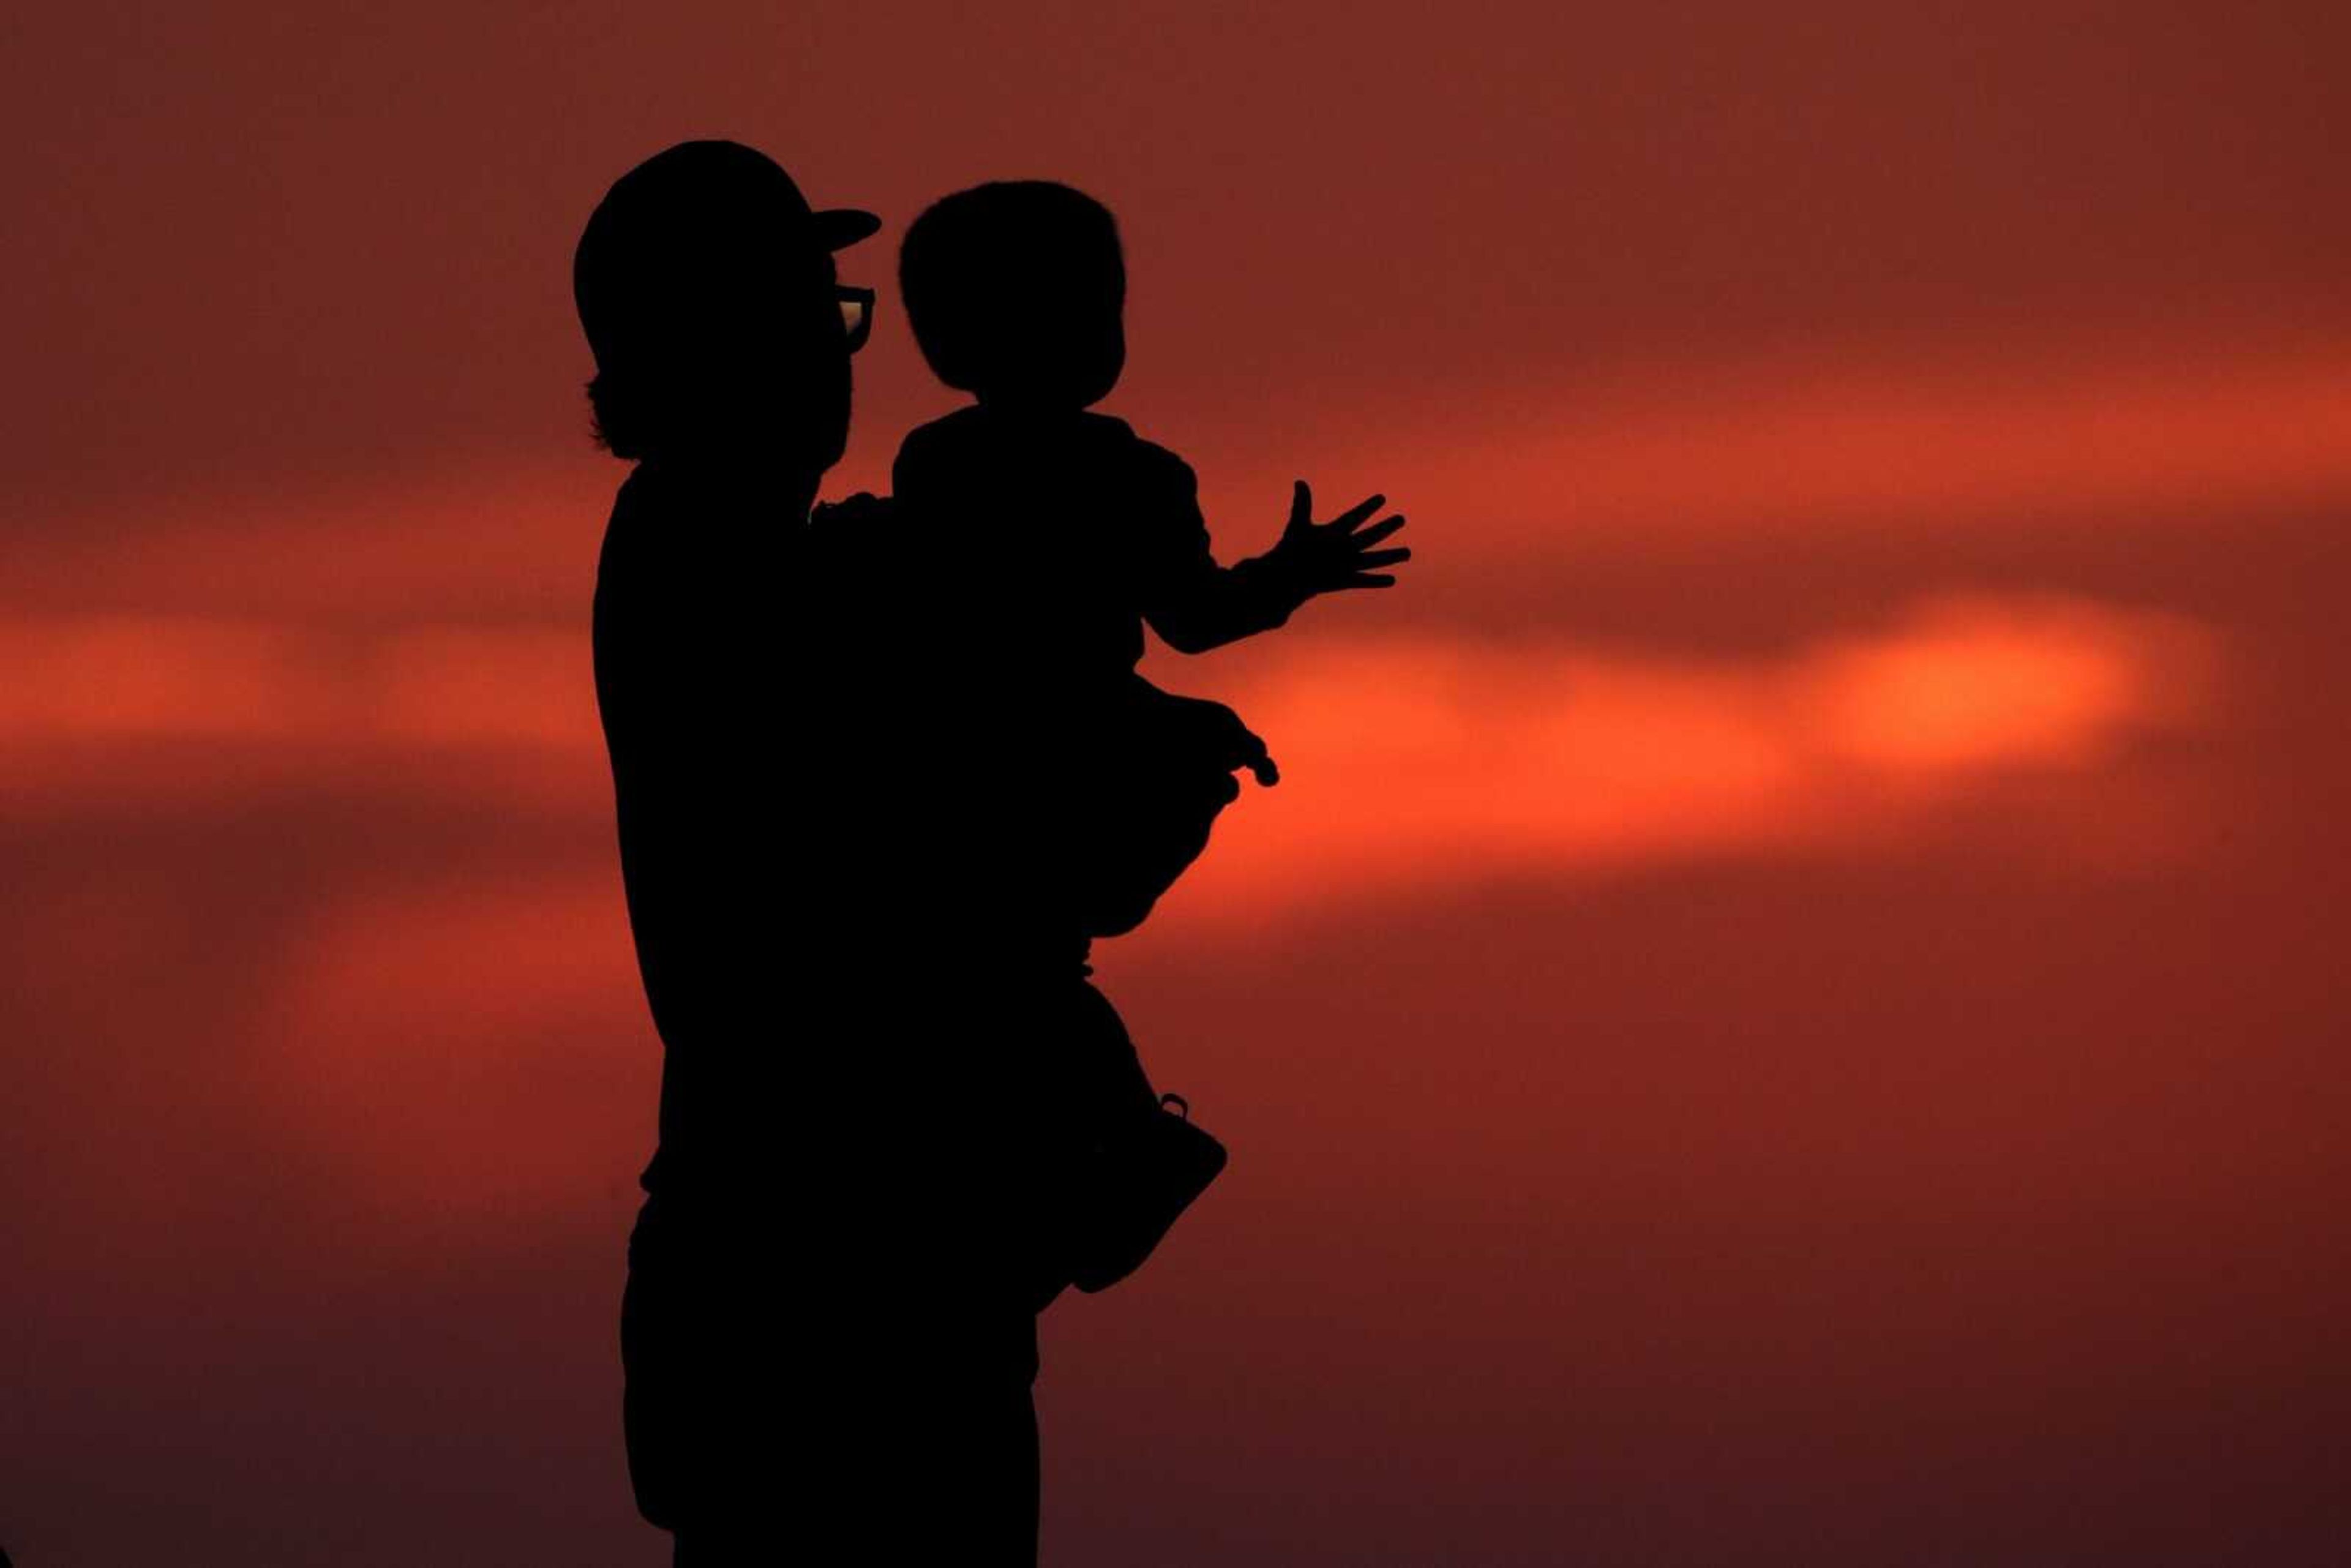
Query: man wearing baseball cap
705,282
825,1357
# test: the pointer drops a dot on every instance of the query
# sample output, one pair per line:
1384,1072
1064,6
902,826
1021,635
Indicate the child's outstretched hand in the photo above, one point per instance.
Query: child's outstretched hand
1327,557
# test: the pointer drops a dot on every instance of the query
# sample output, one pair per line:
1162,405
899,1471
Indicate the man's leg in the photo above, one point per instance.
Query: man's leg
881,1453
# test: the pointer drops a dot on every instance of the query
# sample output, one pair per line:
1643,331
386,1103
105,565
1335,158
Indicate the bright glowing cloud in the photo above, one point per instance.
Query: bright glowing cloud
459,1011
1406,760
124,713
1430,761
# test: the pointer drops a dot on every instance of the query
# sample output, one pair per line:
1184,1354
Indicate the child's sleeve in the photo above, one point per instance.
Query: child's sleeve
1191,601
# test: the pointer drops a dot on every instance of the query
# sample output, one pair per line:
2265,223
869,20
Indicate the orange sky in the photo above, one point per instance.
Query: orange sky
1786,1008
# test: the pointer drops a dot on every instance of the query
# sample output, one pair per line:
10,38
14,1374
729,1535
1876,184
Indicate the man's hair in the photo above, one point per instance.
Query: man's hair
615,421
997,278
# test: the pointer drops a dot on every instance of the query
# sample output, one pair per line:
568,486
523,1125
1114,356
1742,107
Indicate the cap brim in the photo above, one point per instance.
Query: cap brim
844,226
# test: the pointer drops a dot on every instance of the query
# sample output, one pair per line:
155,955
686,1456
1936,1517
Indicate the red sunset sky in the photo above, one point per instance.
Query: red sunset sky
1789,1009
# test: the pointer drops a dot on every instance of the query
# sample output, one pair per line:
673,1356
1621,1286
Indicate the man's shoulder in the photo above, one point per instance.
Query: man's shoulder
842,532
862,510
965,425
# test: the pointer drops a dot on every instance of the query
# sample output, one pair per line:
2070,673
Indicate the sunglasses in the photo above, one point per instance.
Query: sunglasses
856,314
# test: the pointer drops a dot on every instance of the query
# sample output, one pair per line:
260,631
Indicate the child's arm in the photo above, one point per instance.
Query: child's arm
1195,605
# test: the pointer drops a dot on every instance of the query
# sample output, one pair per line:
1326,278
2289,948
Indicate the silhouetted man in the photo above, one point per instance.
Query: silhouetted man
881,1147
825,1354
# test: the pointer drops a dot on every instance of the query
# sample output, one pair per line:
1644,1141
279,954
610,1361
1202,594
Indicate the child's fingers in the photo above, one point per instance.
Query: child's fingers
1302,504
1379,530
1381,558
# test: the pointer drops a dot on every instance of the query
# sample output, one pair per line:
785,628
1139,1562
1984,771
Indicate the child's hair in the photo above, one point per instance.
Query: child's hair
1014,288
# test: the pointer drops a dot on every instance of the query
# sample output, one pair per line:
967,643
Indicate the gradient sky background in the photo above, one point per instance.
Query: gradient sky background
1789,1007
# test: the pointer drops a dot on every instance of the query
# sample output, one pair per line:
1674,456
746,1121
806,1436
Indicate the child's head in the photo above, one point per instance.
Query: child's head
1014,290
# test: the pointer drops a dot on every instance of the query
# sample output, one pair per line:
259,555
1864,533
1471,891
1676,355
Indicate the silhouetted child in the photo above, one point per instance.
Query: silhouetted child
1065,533
1076,530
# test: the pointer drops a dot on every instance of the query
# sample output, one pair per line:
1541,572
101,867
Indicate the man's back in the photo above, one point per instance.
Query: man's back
700,665
816,899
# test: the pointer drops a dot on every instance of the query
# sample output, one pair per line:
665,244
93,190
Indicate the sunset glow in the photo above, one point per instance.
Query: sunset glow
1786,1010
